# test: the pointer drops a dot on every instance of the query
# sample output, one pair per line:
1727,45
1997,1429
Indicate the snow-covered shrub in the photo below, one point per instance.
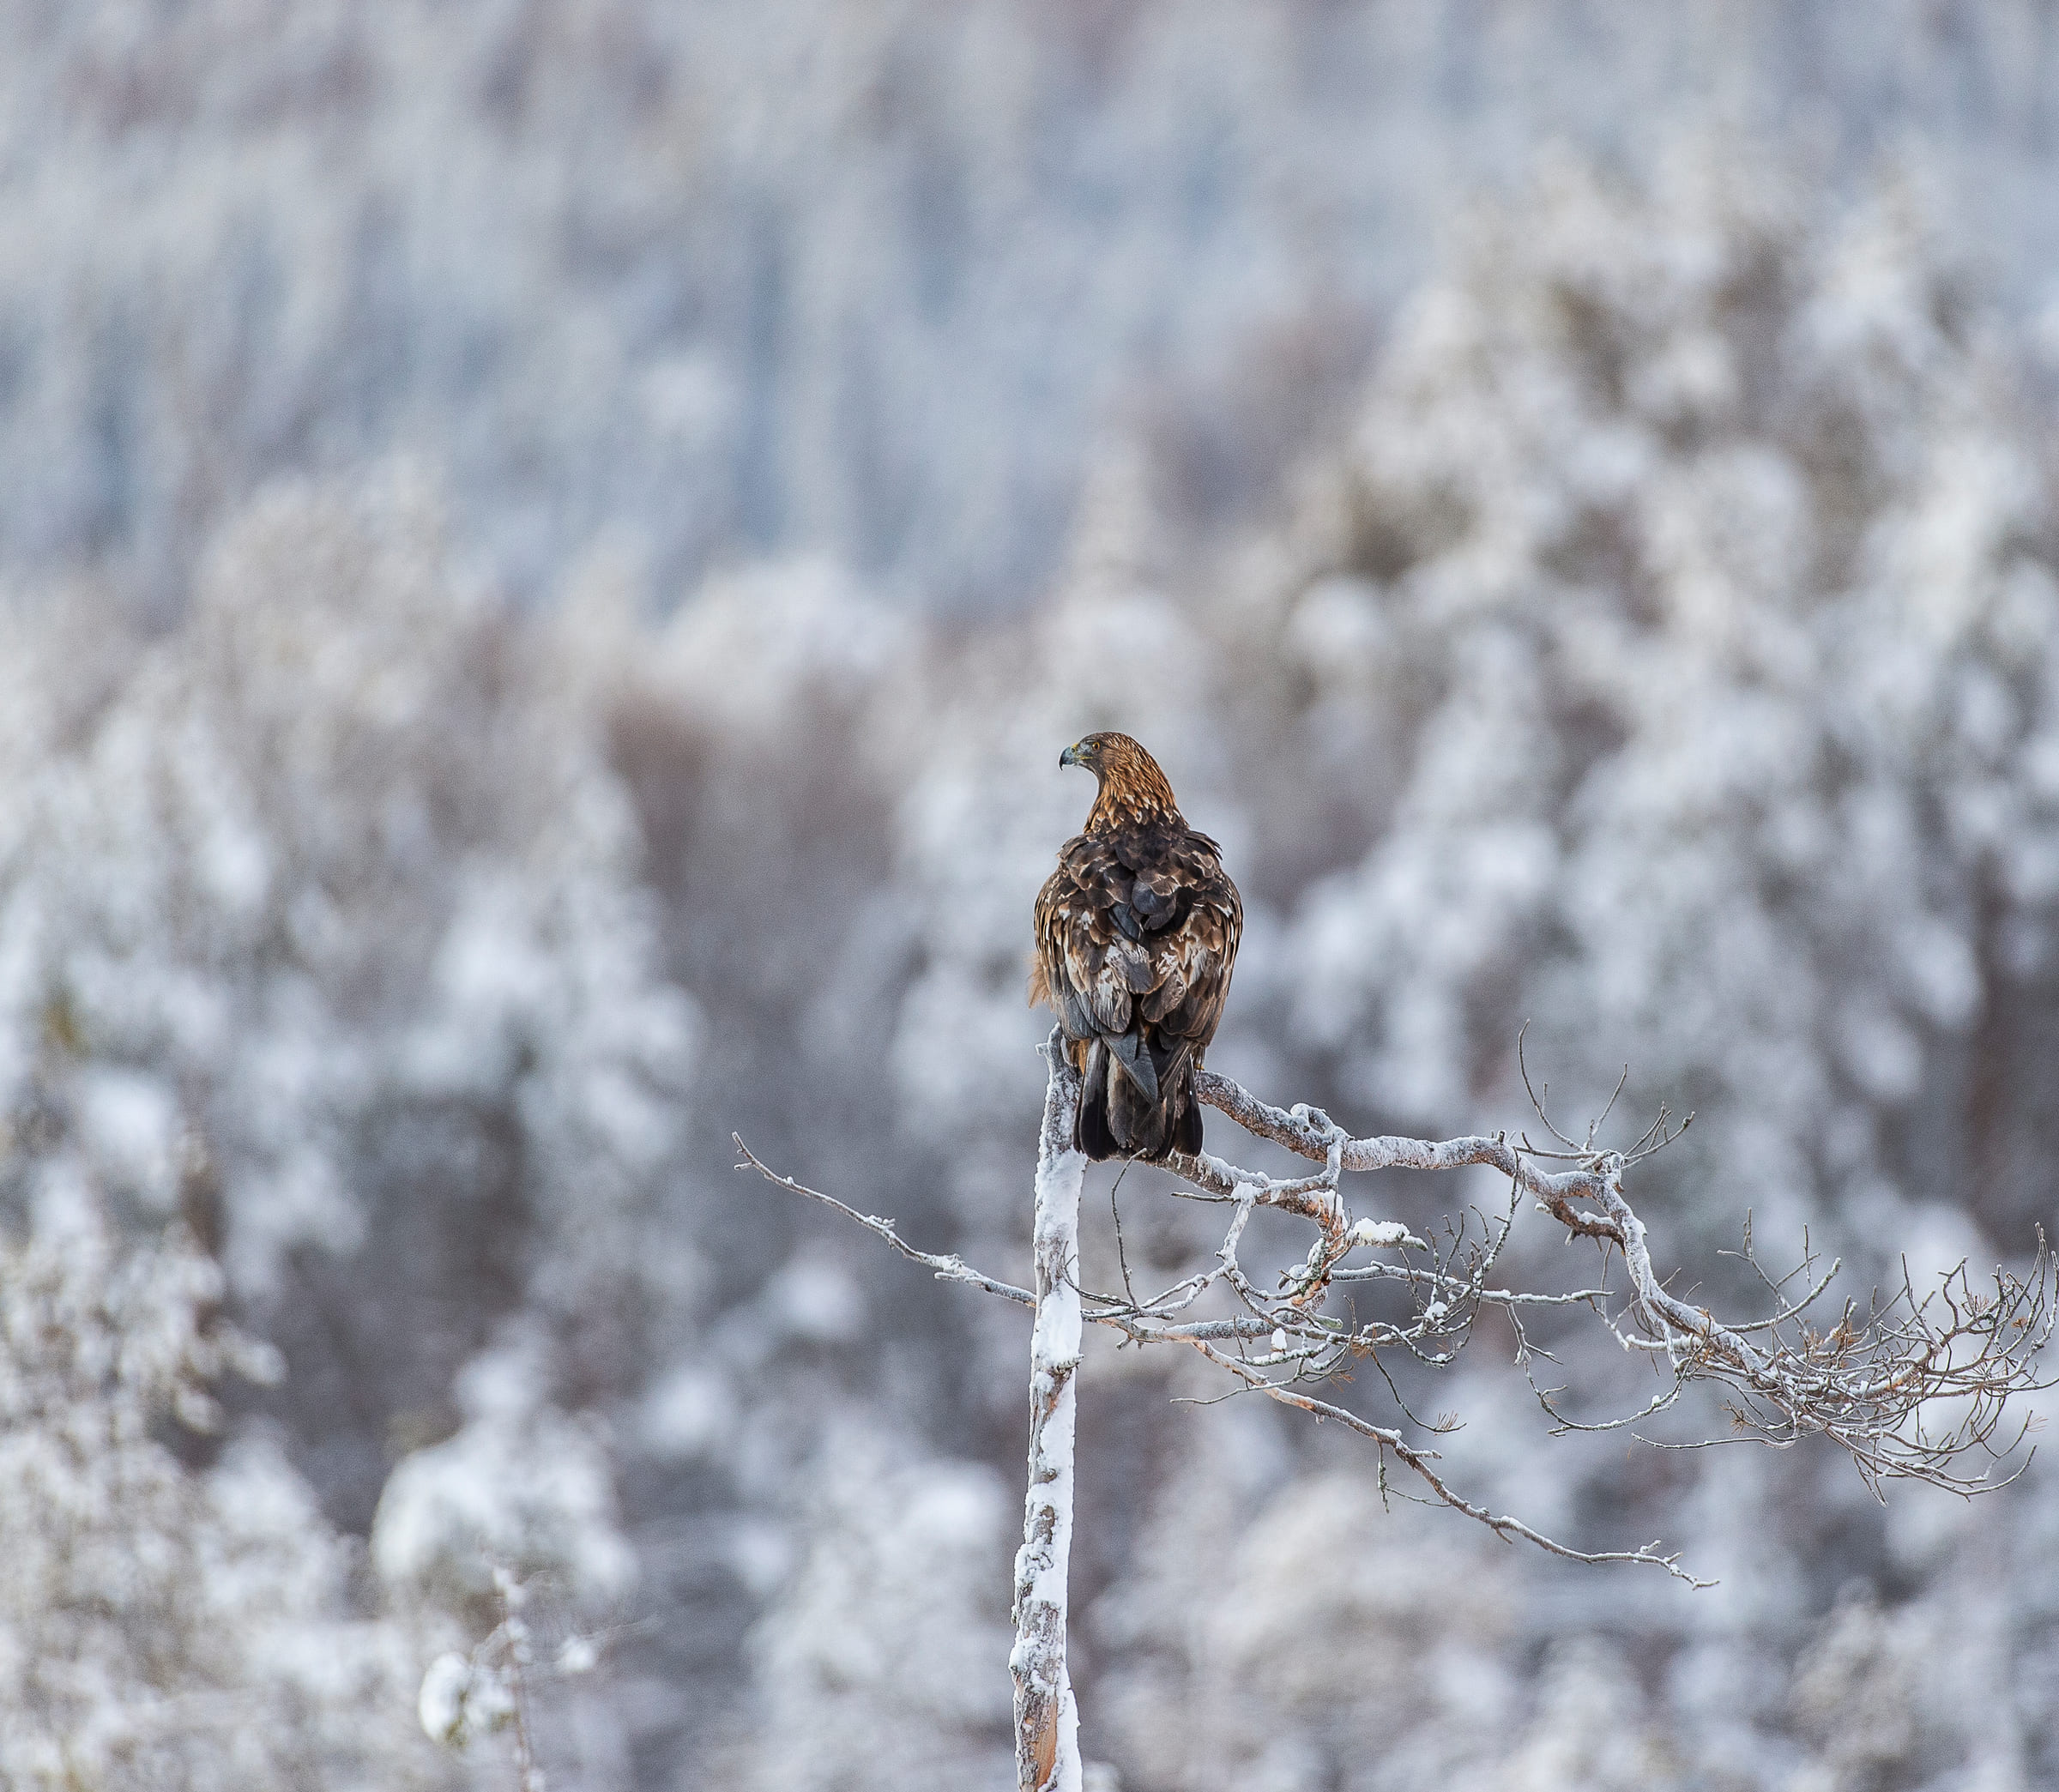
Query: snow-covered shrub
1322,1619
164,1625
521,1487
1859,1698
1591,1726
885,1662
501,1548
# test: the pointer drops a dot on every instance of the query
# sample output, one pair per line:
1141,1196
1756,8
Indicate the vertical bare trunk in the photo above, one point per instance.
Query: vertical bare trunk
1046,1725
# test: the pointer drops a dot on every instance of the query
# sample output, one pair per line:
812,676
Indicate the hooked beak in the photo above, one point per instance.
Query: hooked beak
1070,756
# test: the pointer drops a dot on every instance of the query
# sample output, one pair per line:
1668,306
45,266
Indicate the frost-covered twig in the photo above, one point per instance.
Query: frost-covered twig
1420,1462
948,1268
466,1695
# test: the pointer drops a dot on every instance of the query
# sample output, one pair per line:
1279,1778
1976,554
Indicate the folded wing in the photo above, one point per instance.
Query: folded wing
1136,940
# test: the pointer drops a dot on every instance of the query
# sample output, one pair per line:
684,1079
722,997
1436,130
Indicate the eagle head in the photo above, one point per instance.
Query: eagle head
1132,787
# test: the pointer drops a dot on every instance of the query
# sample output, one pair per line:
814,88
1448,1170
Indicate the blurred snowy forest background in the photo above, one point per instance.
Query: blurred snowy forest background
550,547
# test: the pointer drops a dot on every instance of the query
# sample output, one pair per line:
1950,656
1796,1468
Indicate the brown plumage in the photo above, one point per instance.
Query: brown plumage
1136,933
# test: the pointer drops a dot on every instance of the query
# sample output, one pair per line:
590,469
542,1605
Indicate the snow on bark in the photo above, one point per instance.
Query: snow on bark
1047,1723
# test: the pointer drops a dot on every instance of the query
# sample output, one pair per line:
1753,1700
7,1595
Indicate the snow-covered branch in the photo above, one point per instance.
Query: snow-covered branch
1865,1382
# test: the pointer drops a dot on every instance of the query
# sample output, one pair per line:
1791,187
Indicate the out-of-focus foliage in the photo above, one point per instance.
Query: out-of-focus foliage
1688,632
1660,645
324,941
870,276
325,904
161,1624
519,1489
886,1660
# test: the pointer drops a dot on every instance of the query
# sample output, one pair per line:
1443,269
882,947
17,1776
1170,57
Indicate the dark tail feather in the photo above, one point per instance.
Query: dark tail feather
1120,1117
1137,1124
1149,1130
1090,1131
1139,1063
1172,1124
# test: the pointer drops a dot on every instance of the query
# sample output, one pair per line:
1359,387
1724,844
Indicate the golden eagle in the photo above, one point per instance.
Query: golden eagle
1136,932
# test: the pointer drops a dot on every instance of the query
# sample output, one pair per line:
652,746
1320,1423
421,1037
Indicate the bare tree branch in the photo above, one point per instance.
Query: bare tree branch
1912,1387
1863,1383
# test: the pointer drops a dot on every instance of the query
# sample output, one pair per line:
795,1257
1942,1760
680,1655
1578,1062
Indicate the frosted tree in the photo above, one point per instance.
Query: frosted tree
164,1624
502,1546
320,932
1682,616
345,840
888,1660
